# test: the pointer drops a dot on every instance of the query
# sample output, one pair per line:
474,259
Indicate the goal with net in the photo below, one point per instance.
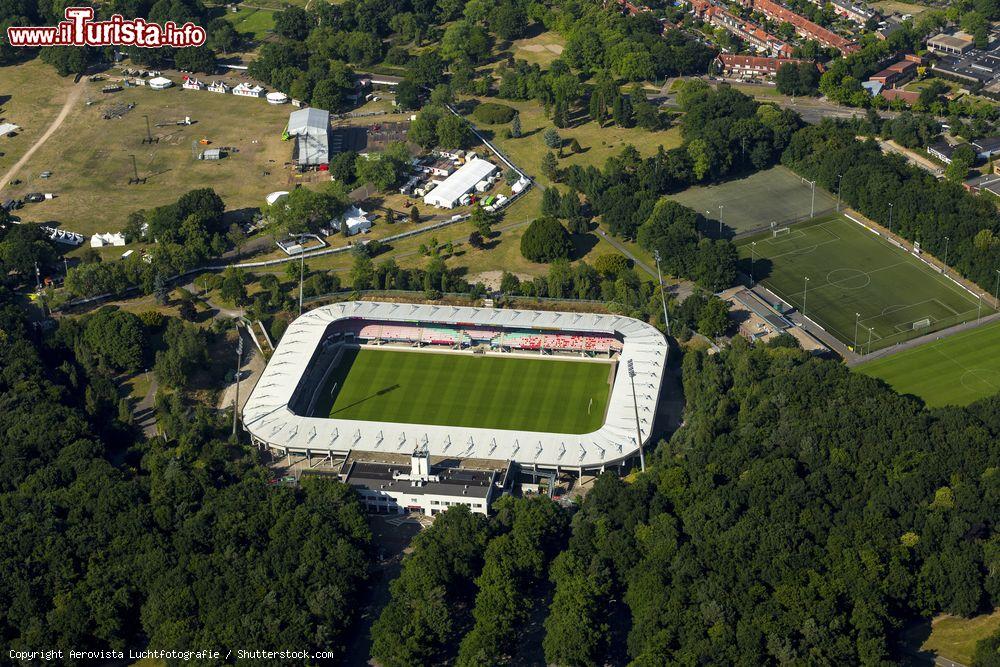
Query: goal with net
922,324
779,231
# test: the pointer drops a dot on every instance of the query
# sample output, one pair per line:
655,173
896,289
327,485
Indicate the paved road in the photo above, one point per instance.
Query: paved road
145,411
74,95
913,158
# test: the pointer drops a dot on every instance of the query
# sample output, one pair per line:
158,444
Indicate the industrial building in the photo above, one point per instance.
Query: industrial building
311,130
462,182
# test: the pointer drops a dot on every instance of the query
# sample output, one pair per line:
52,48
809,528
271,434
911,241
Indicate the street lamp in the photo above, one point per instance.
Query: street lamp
857,320
840,178
812,206
805,290
979,311
870,329
890,217
663,300
947,241
720,220
996,292
753,246
635,403
302,273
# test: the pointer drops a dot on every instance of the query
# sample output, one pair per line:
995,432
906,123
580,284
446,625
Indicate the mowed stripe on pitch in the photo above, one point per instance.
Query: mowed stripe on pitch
478,391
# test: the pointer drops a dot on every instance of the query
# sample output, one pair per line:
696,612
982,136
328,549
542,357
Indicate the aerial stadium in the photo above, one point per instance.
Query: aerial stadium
544,390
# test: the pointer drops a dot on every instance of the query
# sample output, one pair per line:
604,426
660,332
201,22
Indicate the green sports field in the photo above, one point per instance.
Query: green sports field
858,282
956,370
515,393
751,203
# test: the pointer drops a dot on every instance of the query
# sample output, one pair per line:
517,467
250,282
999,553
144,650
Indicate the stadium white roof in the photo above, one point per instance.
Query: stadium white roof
269,420
459,183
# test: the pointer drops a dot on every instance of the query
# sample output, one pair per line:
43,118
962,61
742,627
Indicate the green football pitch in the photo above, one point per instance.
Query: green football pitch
751,203
858,283
956,370
514,393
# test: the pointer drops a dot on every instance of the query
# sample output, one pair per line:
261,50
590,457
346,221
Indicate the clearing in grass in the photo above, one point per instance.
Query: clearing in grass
753,203
478,391
956,370
851,282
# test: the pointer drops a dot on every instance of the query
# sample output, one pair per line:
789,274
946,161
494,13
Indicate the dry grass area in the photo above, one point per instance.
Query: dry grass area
90,163
597,143
541,49
953,637
31,96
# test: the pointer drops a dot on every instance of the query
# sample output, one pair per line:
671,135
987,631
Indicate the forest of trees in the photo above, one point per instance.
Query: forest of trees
111,541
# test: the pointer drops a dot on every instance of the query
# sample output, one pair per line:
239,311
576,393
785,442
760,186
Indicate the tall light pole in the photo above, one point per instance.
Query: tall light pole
870,339
996,292
812,206
239,362
947,241
840,178
753,246
720,220
890,217
302,274
663,300
857,320
635,404
979,311
805,290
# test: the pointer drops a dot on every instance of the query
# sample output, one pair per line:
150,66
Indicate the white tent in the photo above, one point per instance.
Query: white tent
449,193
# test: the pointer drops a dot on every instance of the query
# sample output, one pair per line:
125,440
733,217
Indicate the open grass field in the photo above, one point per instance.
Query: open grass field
90,164
753,202
598,143
514,393
256,23
31,95
956,370
541,49
857,281
952,637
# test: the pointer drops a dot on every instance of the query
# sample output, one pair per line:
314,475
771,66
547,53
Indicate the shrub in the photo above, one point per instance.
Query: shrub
492,113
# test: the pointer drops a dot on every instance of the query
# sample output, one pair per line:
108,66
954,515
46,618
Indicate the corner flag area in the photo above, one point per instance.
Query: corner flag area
858,286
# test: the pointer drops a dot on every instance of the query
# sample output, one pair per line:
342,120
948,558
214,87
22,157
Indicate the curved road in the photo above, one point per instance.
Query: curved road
74,95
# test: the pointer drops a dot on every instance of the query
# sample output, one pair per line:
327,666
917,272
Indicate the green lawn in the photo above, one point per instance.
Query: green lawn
252,21
551,395
856,277
956,370
951,637
751,203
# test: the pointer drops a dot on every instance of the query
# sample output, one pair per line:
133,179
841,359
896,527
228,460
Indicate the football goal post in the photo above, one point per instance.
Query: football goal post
780,231
922,324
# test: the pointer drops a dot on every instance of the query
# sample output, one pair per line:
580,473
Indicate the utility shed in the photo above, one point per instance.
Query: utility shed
311,129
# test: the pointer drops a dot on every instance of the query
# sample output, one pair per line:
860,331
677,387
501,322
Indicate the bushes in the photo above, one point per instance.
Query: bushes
492,113
546,240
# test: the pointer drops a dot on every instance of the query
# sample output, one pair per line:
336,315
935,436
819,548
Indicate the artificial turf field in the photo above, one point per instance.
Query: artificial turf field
513,393
750,203
956,370
856,275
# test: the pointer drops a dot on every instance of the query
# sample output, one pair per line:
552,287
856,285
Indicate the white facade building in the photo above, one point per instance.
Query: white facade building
108,239
463,181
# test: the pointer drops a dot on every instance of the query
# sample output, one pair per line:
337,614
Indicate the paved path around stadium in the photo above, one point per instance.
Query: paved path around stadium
74,95
680,290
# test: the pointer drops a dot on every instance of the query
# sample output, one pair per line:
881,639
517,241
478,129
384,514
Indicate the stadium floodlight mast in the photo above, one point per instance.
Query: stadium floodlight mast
979,311
753,246
663,299
720,220
239,362
947,241
638,429
996,291
302,273
812,206
870,329
840,178
890,217
857,321
805,290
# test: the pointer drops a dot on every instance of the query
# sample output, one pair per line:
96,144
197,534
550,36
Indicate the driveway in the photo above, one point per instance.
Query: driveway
74,96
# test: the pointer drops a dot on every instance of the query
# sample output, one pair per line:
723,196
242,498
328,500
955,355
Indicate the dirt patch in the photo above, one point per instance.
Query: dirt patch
542,48
492,278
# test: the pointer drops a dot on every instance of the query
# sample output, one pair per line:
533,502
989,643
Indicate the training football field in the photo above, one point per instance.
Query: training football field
751,203
858,283
956,370
513,393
